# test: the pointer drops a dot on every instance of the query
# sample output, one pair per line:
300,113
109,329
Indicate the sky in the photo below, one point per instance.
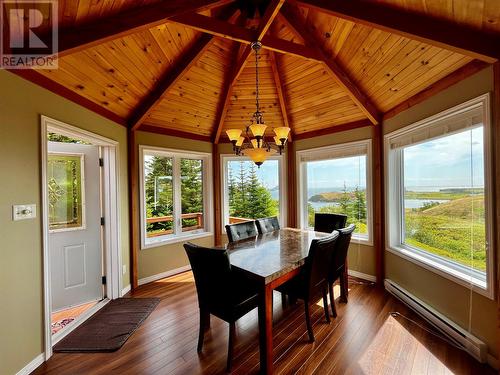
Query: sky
267,173
453,161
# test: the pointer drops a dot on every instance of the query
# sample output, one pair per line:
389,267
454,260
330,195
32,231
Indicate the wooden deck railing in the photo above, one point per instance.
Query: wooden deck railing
162,219
234,220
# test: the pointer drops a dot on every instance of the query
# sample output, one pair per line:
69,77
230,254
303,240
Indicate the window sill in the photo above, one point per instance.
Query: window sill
443,268
361,240
176,239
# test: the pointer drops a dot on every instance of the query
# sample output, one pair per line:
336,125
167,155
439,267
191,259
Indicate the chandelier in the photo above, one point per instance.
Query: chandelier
257,148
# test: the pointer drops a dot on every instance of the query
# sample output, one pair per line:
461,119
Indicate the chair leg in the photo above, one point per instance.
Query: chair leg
325,306
230,346
308,321
344,289
204,318
332,299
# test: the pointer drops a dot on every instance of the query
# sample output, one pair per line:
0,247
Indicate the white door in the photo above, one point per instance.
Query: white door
74,189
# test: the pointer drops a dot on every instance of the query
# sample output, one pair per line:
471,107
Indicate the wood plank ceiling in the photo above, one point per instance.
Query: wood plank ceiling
190,70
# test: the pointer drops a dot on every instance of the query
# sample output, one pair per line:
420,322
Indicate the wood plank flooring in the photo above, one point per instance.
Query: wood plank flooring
363,339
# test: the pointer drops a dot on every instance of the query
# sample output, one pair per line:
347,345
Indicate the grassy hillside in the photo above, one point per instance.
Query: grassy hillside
451,230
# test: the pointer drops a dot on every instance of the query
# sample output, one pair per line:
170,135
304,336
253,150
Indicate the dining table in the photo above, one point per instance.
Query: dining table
270,259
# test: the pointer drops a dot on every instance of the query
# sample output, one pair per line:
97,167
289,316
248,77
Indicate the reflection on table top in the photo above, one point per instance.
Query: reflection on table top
268,256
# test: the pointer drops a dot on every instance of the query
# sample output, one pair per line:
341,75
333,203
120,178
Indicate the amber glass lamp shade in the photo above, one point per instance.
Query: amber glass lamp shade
258,130
233,134
282,134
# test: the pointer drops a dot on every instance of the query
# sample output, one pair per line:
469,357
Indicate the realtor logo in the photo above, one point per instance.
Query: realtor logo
29,34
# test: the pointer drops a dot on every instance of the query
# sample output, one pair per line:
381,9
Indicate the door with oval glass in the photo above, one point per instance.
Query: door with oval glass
75,233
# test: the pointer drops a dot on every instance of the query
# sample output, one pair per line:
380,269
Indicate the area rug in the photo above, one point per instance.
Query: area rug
60,324
109,328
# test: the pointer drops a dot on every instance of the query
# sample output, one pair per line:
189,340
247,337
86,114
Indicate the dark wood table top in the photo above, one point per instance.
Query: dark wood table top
268,256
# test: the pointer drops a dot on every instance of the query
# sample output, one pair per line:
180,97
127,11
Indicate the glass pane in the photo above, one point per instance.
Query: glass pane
159,196
444,207
338,186
253,192
65,191
192,194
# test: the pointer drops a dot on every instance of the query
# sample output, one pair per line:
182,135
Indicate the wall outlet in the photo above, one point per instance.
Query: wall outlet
23,211
124,269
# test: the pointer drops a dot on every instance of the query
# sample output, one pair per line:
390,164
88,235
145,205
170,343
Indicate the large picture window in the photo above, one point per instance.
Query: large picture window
336,179
438,181
174,196
251,192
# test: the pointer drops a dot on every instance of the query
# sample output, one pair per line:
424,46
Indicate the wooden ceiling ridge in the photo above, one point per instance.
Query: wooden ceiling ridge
173,75
430,30
293,19
128,22
265,22
281,92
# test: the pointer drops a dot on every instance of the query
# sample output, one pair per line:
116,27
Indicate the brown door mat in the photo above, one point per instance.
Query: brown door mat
109,328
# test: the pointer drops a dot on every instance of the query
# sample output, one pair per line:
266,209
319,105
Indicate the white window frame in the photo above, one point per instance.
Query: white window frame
394,183
178,235
330,153
224,159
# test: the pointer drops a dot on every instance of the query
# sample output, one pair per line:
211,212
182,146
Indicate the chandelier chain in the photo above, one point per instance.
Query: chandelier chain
257,77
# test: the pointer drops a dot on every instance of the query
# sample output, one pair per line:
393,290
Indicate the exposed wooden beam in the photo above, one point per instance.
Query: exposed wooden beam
228,91
293,17
265,22
173,75
168,80
131,21
243,35
452,78
281,91
333,129
437,32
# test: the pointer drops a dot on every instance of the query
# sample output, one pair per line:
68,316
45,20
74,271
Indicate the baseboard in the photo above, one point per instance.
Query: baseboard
363,276
30,367
470,343
125,290
162,275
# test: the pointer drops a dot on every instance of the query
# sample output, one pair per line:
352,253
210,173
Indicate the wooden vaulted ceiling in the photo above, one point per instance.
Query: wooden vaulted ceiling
187,68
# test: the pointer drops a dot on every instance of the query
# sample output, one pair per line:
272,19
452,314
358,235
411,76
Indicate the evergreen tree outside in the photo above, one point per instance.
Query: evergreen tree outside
191,192
248,197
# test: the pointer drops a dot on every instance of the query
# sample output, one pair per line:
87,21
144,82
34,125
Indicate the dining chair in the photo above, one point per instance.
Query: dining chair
338,269
312,281
267,224
221,291
241,231
329,222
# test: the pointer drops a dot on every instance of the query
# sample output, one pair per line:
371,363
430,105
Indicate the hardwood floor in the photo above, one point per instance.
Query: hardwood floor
363,339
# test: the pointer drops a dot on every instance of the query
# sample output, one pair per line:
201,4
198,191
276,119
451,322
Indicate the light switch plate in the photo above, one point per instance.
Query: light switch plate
23,211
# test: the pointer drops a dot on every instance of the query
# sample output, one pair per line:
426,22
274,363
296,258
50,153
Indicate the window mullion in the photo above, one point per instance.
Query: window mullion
177,196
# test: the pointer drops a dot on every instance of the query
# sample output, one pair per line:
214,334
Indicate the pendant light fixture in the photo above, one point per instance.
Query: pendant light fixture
257,148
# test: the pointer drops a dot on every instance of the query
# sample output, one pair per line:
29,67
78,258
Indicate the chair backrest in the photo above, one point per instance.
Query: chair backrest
268,224
212,273
329,222
340,252
240,231
318,262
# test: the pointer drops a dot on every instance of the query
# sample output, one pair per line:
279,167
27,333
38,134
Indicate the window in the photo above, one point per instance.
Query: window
438,214
65,190
175,196
251,192
336,179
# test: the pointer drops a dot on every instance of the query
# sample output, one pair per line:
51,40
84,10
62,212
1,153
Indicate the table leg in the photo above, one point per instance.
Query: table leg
266,330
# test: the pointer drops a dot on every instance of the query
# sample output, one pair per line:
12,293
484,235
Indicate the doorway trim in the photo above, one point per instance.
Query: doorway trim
111,210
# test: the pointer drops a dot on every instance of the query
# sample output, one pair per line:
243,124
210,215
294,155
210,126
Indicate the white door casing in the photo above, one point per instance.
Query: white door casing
76,260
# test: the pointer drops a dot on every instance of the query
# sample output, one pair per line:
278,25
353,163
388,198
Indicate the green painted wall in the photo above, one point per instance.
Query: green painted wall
164,258
451,299
21,279
361,258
